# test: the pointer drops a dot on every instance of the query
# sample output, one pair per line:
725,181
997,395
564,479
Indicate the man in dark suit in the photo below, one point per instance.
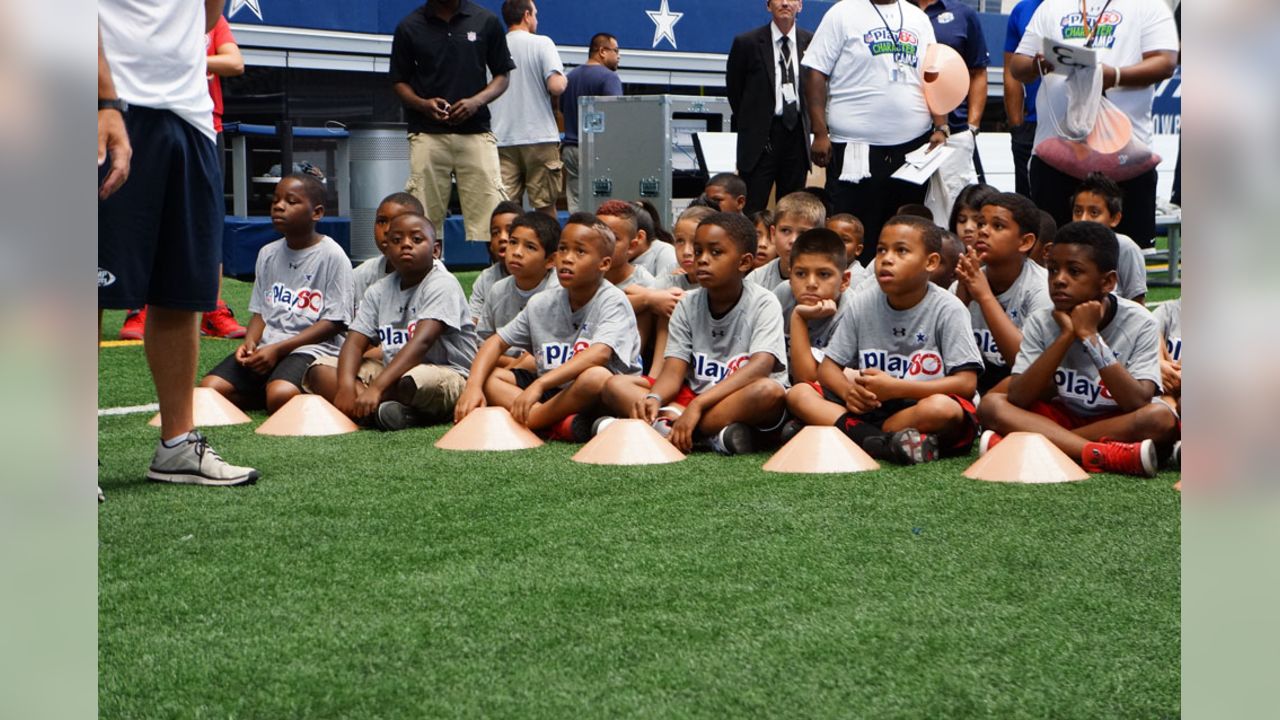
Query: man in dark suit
763,79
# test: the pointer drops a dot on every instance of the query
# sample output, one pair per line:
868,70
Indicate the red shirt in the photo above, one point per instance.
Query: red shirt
217,37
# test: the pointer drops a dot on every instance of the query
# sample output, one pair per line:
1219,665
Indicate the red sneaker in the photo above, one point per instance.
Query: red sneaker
1127,458
135,324
221,323
987,441
563,430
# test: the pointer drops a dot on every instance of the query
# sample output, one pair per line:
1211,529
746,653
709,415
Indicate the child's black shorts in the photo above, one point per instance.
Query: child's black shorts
160,234
959,444
525,378
252,387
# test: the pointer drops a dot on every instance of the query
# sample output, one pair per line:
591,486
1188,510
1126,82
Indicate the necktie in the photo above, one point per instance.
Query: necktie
790,110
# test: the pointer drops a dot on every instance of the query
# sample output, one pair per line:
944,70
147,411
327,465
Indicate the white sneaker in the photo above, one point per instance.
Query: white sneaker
195,463
101,498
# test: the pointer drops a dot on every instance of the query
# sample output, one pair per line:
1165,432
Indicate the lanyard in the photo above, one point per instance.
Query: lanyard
897,37
1091,30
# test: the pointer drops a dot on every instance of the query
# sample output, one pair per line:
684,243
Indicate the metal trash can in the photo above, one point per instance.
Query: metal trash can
379,167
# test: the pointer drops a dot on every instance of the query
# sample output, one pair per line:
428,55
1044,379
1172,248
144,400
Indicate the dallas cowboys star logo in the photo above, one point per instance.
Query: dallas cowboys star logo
920,338
664,22
238,5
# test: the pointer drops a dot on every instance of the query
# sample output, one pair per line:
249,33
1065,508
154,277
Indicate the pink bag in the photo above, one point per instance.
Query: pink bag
1110,149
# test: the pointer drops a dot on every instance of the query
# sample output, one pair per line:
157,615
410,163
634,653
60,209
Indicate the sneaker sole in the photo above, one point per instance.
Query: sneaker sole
230,336
984,442
395,419
911,447
735,441
1150,462
154,475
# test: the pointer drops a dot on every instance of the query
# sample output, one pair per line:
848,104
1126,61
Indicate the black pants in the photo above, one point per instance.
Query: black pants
1052,189
1021,141
875,199
783,163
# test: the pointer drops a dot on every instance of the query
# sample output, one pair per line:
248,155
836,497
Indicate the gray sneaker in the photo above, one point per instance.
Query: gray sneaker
392,416
195,463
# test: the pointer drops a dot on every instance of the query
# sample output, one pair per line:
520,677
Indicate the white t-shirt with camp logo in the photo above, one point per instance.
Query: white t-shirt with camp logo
1131,333
716,347
295,289
553,333
1169,317
929,341
1125,31
389,314
858,48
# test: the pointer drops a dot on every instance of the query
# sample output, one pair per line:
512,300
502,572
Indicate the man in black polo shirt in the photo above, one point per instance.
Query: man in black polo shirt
439,55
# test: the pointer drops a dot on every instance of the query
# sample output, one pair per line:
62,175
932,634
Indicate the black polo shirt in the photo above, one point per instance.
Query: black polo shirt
448,60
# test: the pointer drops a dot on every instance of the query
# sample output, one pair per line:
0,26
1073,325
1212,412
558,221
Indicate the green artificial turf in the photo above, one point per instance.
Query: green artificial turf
372,575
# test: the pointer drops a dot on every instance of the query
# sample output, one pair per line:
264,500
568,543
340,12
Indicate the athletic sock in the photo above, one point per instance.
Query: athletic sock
175,443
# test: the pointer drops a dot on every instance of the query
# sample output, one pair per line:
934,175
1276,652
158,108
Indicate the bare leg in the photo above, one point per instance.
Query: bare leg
280,392
805,403
323,381
936,414
500,390
759,404
581,395
225,389
173,347
621,393
660,334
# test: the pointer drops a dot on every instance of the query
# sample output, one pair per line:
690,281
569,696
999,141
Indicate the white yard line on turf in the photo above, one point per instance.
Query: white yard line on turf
132,410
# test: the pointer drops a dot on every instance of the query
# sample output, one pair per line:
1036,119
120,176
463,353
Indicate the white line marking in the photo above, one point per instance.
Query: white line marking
132,410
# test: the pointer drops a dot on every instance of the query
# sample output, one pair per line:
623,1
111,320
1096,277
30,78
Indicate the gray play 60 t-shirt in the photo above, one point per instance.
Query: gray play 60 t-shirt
1131,334
716,347
553,333
295,289
929,341
388,315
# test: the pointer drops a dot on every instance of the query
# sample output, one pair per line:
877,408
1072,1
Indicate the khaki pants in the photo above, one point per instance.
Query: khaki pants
437,390
473,159
536,168
569,156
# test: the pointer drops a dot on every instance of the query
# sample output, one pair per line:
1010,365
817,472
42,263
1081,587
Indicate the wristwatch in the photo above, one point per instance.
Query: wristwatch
945,130
116,104
974,129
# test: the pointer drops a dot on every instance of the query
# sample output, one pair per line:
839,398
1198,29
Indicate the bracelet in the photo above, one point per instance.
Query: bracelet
653,396
944,129
1117,78
1099,353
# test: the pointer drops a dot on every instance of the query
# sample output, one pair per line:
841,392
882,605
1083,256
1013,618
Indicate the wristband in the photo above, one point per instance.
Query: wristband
1117,78
944,129
653,396
1099,353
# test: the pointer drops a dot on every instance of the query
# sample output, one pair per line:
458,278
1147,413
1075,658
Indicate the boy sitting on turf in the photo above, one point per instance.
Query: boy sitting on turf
912,344
725,369
794,214
811,299
1000,284
727,191
649,251
1088,367
530,258
580,334
851,231
375,268
1099,199
303,297
684,277
499,233
419,316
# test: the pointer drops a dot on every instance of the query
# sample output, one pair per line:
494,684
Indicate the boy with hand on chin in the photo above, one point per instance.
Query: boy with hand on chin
1088,367
725,362
913,348
580,334
418,315
811,299
303,297
1000,283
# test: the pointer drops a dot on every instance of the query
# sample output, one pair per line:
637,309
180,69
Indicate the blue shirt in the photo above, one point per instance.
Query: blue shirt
957,25
1019,18
585,80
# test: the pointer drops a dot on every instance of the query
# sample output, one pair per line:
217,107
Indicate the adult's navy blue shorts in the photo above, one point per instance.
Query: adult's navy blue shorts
160,234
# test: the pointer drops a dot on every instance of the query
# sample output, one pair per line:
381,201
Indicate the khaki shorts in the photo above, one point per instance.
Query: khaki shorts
473,160
534,168
436,388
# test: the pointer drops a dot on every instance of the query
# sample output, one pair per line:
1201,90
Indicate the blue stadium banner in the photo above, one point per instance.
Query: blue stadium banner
698,26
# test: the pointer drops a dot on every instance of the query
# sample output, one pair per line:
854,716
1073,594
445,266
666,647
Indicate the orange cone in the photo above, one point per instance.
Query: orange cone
1178,486
489,429
628,442
1024,457
307,415
821,449
209,408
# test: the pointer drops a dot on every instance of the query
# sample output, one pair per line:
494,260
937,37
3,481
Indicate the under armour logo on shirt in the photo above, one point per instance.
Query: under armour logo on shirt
295,266
899,332
717,333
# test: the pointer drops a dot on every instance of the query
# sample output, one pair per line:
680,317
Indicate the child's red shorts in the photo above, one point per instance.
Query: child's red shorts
682,398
